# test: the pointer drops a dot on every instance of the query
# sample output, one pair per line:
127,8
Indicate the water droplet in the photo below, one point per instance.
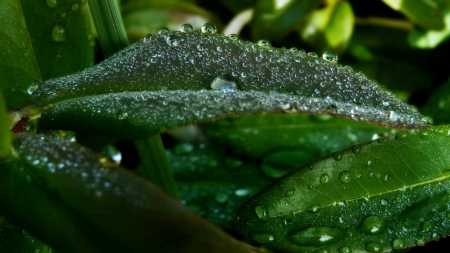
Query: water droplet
148,38
398,243
290,192
287,222
33,86
221,197
345,249
373,225
435,236
173,40
264,43
424,134
324,179
374,247
233,36
401,135
356,149
209,29
51,3
312,54
261,212
337,156
420,242
59,33
293,49
383,140
330,57
122,115
393,116
387,177
427,120
313,209
316,236
75,7
186,28
262,237
224,83
242,192
345,177
163,30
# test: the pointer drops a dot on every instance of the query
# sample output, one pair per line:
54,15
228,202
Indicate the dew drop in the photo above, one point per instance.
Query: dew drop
186,28
75,7
427,120
242,192
59,33
316,236
356,150
221,197
224,83
401,135
287,222
293,49
51,3
33,86
290,192
345,177
345,249
148,38
173,40
398,243
337,156
209,29
374,247
262,237
312,54
373,225
261,212
420,242
324,179
233,36
264,43
163,30
330,57
424,134
387,177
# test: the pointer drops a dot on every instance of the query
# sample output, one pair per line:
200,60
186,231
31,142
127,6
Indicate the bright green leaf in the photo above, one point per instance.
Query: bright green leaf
425,13
429,39
387,194
78,202
273,19
173,79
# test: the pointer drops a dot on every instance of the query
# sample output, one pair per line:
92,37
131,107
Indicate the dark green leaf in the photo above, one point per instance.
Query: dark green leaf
41,40
16,240
78,202
177,78
438,105
5,134
425,13
384,195
274,19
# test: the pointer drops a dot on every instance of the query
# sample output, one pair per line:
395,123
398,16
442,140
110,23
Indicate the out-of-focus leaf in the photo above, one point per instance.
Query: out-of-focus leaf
16,240
237,6
178,78
147,17
429,39
360,51
273,19
77,202
384,195
425,13
438,105
330,28
311,136
5,133
41,40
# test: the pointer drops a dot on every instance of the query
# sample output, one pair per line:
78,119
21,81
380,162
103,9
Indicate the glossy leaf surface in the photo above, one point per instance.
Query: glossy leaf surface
178,78
384,195
76,201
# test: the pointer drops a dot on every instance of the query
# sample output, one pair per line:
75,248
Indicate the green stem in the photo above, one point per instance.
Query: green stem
112,37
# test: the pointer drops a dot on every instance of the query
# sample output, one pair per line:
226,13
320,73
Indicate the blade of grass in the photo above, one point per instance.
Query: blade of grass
112,37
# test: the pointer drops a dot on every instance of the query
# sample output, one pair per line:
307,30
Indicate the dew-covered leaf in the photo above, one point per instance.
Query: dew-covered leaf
41,40
309,136
173,79
384,195
78,202
274,19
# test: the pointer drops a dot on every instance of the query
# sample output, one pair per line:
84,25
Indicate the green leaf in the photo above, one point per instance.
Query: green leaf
78,202
41,41
16,240
425,13
5,133
274,19
438,105
329,28
429,39
173,79
384,195
309,136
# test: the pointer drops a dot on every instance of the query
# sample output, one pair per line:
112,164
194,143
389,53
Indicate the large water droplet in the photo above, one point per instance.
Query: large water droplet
224,83
312,54
264,43
59,33
262,237
209,29
324,179
186,28
374,247
163,30
51,3
316,236
173,40
337,156
233,36
33,86
261,212
398,243
373,225
148,38
345,177
330,57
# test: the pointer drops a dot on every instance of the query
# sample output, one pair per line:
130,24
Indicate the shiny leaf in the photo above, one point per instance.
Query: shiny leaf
178,78
78,202
384,195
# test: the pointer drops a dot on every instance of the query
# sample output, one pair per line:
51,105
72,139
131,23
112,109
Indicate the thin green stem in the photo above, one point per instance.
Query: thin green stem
112,37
